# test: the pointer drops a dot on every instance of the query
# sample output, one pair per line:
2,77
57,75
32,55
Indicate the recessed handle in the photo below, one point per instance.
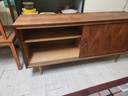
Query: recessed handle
85,43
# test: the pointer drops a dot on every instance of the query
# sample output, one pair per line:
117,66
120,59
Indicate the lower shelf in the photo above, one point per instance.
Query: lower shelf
44,55
68,58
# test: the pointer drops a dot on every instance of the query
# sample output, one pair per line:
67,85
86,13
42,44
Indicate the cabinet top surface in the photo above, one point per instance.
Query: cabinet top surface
63,19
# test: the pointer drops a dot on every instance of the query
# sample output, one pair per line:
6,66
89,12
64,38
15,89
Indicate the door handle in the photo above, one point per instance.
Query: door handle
85,43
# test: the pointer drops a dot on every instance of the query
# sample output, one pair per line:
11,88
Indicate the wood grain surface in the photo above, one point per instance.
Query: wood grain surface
104,39
44,38
61,19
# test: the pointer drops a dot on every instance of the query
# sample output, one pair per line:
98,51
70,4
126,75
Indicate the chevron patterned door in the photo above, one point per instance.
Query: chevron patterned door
102,39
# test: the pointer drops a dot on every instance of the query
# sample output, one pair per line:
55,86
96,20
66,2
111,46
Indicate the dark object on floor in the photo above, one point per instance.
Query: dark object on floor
114,88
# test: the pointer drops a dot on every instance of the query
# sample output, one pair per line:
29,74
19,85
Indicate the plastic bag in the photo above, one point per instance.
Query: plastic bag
11,1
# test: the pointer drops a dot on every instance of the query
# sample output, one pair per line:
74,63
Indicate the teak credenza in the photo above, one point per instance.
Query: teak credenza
50,39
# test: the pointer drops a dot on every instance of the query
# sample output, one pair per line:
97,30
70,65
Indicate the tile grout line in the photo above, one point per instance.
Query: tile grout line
54,89
8,55
1,75
45,84
12,70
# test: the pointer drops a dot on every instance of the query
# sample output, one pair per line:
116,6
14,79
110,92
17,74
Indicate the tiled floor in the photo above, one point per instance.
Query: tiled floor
57,80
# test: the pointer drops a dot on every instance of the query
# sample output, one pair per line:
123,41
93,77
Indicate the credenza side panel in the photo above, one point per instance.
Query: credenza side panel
24,47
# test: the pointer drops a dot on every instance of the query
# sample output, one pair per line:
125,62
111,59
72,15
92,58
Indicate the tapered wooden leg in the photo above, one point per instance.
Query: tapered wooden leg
15,56
117,56
41,70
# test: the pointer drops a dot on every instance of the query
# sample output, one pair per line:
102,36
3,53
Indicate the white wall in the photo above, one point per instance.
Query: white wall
5,16
126,7
105,5
90,6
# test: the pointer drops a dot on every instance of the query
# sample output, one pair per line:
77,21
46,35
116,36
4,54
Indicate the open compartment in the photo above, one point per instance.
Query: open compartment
51,34
52,51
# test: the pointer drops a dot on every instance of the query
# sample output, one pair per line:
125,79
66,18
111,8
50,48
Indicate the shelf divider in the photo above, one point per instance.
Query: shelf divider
51,35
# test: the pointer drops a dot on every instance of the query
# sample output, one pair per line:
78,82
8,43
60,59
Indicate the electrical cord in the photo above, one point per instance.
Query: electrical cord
125,5
6,13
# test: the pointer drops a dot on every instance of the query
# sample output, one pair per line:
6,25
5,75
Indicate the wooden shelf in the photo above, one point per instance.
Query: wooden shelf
42,55
51,34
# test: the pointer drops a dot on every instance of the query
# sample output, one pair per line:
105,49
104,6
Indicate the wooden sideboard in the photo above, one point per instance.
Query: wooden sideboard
59,38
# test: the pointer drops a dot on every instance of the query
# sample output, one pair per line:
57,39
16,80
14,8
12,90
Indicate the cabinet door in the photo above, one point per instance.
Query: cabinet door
119,37
104,39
